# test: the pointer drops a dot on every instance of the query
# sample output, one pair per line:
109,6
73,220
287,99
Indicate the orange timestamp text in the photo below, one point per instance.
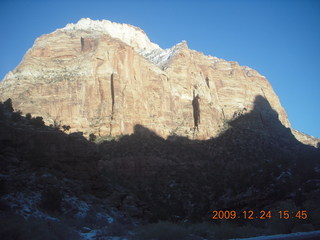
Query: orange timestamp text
263,214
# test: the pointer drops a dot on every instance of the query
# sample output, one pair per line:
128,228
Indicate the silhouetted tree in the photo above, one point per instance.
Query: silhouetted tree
28,116
8,105
37,122
1,110
66,128
57,125
16,116
92,137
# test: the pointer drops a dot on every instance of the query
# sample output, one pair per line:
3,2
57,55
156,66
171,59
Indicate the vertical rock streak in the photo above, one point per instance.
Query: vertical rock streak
196,111
112,94
82,44
112,101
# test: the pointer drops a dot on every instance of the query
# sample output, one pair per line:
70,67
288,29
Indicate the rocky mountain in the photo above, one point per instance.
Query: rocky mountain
104,78
173,136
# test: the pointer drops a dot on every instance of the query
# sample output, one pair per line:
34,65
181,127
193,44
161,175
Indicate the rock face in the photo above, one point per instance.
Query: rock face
104,78
306,139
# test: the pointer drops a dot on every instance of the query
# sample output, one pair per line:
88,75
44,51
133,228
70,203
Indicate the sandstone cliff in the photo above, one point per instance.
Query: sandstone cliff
104,78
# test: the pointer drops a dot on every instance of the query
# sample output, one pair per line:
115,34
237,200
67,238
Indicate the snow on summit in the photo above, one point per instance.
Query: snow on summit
131,35
162,57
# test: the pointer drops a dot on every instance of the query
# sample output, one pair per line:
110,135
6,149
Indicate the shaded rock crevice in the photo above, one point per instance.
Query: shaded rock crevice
112,100
196,111
207,82
112,94
82,43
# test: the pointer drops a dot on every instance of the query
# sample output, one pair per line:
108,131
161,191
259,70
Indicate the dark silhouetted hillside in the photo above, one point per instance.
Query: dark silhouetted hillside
255,164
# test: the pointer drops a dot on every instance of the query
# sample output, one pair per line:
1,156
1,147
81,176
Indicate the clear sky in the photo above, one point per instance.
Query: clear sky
278,38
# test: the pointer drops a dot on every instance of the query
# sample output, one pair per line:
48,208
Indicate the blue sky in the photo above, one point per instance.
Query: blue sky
278,38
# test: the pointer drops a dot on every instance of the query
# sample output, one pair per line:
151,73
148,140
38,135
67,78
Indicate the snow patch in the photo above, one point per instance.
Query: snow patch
283,175
133,36
89,235
128,34
81,206
251,72
163,57
214,60
26,205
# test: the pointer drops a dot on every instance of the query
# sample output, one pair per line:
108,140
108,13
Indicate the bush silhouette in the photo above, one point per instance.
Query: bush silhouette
66,128
8,105
16,116
37,122
92,137
28,116
1,111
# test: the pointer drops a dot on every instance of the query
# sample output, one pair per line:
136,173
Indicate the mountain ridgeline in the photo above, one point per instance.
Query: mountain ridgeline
103,78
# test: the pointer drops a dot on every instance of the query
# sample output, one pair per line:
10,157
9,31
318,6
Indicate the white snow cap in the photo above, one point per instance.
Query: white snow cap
129,34
133,36
163,57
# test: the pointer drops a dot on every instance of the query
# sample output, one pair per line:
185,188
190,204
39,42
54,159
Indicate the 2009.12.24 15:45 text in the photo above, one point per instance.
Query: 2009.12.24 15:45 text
263,214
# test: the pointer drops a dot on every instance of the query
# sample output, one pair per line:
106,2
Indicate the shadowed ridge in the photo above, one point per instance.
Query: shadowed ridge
263,120
255,163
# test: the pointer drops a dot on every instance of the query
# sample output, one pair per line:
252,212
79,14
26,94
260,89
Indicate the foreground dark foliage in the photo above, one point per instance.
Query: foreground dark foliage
255,164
